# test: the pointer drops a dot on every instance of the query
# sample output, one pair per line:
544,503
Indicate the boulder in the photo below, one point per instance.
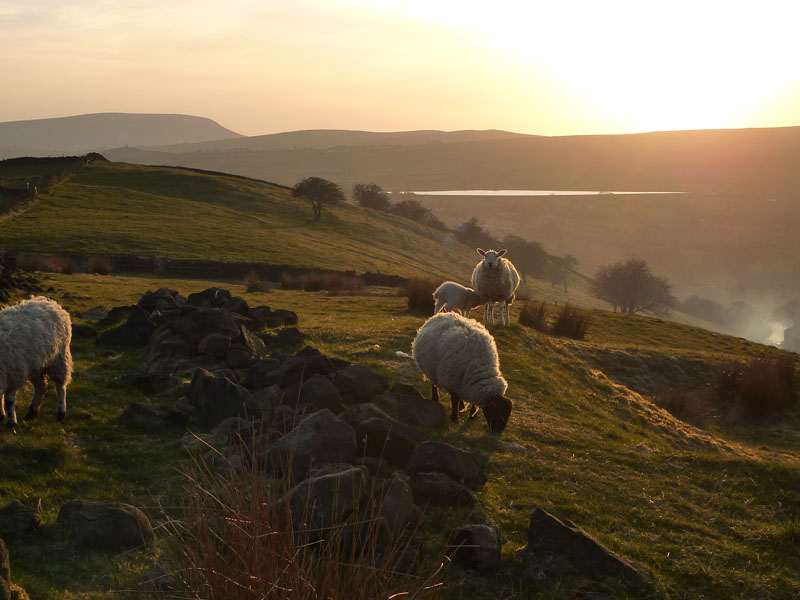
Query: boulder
289,336
548,535
162,299
303,367
106,526
117,314
321,438
151,381
317,392
172,347
157,416
239,357
211,298
405,404
439,489
216,345
267,399
135,332
237,305
438,457
83,332
359,383
321,501
158,580
397,508
262,373
15,518
197,324
255,346
387,439
357,413
475,547
217,398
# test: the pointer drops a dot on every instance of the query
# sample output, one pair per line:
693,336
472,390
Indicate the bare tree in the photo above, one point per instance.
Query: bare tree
318,191
632,287
371,195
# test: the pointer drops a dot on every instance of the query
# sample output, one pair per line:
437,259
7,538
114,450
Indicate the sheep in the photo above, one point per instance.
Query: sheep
34,342
460,356
495,280
452,296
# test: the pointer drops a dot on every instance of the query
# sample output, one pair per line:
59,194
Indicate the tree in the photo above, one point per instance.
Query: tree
371,195
471,234
414,210
530,258
318,191
632,287
559,268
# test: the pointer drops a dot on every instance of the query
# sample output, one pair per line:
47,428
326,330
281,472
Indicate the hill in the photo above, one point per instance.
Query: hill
711,511
131,209
94,132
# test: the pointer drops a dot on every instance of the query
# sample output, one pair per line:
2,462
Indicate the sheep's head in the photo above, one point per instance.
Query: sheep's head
497,409
491,258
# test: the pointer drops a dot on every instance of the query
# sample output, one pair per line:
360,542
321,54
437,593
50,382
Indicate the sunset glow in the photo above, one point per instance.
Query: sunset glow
533,67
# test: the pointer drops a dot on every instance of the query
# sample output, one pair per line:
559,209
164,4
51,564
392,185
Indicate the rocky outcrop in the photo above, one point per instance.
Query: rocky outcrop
106,526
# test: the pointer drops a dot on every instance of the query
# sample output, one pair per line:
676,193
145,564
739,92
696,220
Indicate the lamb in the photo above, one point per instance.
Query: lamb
452,296
460,356
495,280
34,342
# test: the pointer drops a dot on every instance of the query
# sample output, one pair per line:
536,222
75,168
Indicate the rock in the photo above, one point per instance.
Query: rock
162,299
230,430
97,313
253,343
397,508
475,547
15,518
172,347
316,391
267,399
439,489
216,345
289,336
321,438
319,502
106,526
276,318
303,367
405,404
153,380
217,398
357,413
210,298
135,332
195,325
157,416
387,439
262,373
549,535
83,332
116,314
158,579
238,305
239,357
438,457
359,383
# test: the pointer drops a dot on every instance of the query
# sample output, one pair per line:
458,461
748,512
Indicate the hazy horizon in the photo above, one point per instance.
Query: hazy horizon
536,68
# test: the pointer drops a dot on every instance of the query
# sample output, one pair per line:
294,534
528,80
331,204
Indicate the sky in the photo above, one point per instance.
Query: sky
557,67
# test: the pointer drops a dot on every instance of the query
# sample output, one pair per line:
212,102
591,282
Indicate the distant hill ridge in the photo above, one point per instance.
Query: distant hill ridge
81,134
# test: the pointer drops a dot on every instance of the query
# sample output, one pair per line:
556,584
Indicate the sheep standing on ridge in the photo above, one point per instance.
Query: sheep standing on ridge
34,342
495,280
452,296
460,356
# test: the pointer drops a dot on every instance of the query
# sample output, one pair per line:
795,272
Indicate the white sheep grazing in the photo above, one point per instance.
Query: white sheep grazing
460,356
452,296
34,342
495,280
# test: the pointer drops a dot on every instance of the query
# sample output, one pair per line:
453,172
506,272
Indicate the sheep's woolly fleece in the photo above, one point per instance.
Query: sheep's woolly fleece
452,296
495,285
34,338
459,355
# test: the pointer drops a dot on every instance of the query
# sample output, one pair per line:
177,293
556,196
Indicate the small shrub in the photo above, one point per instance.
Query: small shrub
756,390
336,283
100,265
66,265
571,322
687,405
313,282
534,315
253,282
420,295
291,282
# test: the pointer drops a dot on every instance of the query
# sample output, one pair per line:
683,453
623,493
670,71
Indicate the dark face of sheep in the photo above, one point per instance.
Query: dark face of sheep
497,410
491,258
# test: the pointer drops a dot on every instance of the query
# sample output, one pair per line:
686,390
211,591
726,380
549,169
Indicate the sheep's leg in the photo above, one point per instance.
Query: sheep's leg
2,410
508,313
61,390
439,304
454,402
39,388
491,312
11,413
434,393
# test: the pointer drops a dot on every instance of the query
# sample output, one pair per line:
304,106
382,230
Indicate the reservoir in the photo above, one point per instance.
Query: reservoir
528,193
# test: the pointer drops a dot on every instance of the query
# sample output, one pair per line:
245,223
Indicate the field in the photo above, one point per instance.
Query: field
713,513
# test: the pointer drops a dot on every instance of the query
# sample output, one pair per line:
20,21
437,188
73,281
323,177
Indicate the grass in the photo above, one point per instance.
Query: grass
711,512
171,212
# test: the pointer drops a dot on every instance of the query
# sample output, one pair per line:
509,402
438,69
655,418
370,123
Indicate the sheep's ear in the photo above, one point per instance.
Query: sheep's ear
481,251
501,253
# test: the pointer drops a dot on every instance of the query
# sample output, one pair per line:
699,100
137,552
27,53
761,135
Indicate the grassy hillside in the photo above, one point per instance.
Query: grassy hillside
713,512
120,208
